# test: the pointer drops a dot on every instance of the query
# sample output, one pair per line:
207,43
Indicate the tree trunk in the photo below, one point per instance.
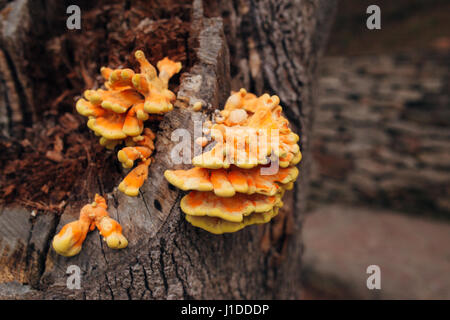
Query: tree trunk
274,46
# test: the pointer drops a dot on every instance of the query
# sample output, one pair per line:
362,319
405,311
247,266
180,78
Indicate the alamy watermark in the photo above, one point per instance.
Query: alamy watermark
73,22
74,279
374,280
374,20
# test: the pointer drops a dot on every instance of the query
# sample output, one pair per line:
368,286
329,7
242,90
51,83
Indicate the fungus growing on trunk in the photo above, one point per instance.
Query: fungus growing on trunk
68,242
219,226
117,114
249,130
226,182
241,180
232,209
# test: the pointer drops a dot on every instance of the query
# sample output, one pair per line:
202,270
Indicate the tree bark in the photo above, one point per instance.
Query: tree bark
275,47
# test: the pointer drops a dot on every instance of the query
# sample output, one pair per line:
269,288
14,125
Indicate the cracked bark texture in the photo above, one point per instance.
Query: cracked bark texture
271,46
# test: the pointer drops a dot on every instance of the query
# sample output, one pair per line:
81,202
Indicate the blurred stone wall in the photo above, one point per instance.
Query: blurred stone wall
382,132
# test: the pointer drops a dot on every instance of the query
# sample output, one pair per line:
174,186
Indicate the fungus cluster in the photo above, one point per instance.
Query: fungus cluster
118,112
69,240
241,180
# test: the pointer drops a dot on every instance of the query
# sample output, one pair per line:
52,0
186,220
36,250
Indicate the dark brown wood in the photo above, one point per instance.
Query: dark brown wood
275,47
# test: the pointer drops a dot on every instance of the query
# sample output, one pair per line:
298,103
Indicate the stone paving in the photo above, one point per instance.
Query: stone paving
382,132
341,242
381,148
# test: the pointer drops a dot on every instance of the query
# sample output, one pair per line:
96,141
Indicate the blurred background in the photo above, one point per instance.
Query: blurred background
380,192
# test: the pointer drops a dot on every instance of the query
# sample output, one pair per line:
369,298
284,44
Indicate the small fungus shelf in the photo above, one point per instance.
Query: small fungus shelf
68,242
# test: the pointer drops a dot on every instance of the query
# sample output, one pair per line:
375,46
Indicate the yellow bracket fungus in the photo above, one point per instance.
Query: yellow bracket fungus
69,240
219,226
139,148
117,113
135,179
248,132
228,188
231,209
225,183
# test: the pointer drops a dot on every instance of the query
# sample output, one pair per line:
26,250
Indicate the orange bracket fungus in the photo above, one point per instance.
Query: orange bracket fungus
234,184
249,130
117,113
69,240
